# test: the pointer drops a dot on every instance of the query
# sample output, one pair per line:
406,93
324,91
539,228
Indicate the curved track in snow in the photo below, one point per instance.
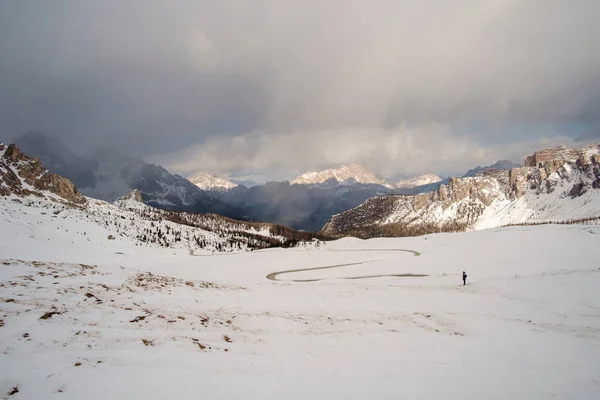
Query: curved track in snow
273,275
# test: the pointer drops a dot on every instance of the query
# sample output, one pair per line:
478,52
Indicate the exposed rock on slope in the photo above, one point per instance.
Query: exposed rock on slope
135,196
208,181
24,176
129,218
555,184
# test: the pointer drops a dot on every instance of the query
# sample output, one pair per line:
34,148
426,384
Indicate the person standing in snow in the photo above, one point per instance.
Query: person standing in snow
464,276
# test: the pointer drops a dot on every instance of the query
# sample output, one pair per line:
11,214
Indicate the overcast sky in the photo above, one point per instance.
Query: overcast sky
275,87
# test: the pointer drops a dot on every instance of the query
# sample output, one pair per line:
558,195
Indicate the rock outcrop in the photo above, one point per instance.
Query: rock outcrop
556,156
23,176
517,180
462,202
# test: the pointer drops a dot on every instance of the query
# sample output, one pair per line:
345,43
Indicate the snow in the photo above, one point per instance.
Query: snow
345,173
352,173
534,207
131,223
526,326
554,200
417,181
209,181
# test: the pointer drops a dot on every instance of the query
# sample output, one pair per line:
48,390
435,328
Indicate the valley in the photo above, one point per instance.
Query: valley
124,300
299,200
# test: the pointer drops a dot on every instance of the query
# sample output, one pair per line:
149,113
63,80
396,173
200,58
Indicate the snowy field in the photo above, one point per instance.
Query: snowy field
127,322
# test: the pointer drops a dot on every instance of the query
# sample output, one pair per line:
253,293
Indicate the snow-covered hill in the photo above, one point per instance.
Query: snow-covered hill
209,181
129,222
33,197
555,185
356,173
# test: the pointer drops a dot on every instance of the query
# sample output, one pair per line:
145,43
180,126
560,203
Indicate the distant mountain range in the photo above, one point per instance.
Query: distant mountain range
25,184
349,173
209,181
306,203
356,173
108,175
502,164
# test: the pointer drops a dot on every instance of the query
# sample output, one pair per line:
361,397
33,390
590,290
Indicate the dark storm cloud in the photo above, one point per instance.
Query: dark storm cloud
403,86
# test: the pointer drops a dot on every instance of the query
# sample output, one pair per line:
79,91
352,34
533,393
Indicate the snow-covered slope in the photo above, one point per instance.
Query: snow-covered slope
25,186
83,317
129,222
208,181
421,180
555,185
346,173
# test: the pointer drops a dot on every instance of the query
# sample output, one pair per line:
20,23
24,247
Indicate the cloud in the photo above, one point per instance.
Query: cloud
388,152
384,82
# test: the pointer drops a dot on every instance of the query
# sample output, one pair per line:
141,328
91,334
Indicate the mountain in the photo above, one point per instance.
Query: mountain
421,180
23,176
109,174
502,164
299,206
353,173
356,173
208,181
117,174
558,184
27,188
58,158
112,175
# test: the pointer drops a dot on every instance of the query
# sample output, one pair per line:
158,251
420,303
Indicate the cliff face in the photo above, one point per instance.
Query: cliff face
24,176
464,202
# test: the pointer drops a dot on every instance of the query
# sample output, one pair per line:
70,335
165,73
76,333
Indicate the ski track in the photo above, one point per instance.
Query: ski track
273,275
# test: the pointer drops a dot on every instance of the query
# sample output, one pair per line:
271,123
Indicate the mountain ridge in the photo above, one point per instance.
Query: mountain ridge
353,172
553,184
211,181
26,185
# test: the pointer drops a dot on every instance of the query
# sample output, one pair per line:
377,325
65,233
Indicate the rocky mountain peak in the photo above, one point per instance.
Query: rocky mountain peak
555,184
210,181
347,172
22,176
